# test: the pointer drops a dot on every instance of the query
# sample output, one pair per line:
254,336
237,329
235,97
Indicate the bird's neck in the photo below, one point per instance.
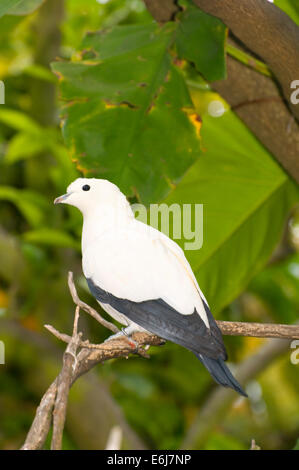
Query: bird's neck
104,219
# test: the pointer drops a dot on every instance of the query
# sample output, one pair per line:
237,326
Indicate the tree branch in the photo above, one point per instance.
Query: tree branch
162,11
91,311
259,330
267,31
256,98
75,365
63,385
41,424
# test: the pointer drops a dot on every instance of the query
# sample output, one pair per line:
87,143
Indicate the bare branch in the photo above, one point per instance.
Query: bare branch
112,344
91,311
259,330
75,365
247,91
41,424
256,98
162,11
62,336
267,31
63,385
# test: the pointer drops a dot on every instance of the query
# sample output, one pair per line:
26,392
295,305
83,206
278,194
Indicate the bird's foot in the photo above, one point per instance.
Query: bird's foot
125,332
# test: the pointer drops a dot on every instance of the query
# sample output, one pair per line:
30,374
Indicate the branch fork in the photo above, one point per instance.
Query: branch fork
80,356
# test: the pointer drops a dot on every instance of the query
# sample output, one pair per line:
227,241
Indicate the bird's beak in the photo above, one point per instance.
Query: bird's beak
61,199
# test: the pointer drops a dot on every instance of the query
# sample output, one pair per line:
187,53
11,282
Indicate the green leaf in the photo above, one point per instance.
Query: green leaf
30,203
129,116
29,144
33,139
19,121
18,7
201,39
246,197
23,145
51,237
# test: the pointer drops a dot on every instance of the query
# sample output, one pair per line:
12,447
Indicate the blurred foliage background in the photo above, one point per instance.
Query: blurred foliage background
248,266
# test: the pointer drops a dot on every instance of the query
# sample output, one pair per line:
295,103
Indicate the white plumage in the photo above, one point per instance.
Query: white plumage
138,265
141,277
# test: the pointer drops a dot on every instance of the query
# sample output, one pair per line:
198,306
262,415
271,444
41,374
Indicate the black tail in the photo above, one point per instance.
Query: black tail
221,373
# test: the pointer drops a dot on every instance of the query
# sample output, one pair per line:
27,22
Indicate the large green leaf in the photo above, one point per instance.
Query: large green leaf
129,117
201,40
246,197
128,114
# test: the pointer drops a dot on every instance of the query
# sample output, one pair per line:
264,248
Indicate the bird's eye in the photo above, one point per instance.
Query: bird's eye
86,187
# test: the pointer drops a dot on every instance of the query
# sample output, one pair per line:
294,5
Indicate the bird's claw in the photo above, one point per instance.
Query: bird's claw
131,341
133,344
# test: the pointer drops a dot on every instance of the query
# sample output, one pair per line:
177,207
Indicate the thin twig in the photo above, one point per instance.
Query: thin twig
62,336
112,344
91,311
76,320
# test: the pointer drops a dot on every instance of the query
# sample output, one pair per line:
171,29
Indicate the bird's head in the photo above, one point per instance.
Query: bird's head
87,194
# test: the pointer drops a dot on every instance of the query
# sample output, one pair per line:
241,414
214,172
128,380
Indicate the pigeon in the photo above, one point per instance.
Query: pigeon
142,278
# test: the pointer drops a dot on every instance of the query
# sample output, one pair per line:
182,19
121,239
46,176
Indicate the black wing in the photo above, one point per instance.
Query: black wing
159,318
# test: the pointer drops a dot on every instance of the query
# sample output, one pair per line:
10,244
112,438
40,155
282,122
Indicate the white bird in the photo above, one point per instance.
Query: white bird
142,278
